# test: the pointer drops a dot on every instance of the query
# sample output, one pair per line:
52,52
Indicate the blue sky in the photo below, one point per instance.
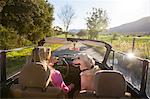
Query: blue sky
119,11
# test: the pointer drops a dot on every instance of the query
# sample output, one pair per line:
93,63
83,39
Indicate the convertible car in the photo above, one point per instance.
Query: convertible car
120,76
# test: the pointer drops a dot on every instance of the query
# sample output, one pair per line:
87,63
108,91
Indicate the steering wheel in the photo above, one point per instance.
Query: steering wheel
63,66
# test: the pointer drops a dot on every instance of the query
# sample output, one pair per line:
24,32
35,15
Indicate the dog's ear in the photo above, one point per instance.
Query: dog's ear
90,61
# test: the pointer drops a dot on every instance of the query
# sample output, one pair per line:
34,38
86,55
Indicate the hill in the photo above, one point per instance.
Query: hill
141,25
74,31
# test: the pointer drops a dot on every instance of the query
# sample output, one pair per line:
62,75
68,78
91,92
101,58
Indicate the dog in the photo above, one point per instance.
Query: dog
88,70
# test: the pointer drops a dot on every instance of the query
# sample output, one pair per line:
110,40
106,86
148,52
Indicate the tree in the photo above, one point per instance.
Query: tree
2,4
82,32
97,21
31,19
57,30
66,16
9,39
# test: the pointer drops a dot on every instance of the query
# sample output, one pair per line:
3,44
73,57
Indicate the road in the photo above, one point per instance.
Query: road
83,49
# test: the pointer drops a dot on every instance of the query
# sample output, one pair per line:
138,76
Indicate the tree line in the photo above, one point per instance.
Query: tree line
96,21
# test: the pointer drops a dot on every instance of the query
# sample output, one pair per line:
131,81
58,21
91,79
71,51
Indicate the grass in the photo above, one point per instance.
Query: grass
14,64
141,46
16,59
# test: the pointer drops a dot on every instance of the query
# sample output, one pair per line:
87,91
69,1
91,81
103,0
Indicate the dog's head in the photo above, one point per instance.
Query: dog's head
84,61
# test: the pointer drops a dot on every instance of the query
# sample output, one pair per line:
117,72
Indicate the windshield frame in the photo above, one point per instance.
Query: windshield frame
69,40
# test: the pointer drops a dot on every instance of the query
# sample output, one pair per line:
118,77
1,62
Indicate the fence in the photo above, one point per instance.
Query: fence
139,45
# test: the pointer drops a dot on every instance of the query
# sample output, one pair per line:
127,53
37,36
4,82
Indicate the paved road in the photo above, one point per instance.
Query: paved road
83,49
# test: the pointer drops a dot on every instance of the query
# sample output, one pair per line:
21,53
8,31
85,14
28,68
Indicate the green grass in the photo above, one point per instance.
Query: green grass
16,59
24,52
125,44
14,64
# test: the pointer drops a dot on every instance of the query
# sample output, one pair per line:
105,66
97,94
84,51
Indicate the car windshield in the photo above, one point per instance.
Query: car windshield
95,49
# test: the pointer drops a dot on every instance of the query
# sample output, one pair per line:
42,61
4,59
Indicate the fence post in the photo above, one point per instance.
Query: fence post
133,44
3,66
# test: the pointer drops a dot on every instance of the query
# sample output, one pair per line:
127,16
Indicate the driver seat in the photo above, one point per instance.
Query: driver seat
33,83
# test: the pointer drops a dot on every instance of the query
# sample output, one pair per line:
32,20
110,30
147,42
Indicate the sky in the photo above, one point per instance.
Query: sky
119,11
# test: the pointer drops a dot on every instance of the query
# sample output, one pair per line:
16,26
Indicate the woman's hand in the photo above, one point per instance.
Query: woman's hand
71,86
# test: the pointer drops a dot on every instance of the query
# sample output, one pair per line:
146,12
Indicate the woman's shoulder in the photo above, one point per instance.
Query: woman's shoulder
56,74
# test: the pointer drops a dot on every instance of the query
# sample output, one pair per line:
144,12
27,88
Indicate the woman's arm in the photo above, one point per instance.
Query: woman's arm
57,81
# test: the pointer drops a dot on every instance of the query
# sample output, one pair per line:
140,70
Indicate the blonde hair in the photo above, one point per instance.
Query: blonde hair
40,54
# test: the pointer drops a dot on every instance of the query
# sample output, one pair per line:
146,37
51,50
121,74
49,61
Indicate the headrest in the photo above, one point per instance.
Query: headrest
109,83
34,75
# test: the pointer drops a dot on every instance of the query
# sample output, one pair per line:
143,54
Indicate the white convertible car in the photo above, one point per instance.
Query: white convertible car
119,76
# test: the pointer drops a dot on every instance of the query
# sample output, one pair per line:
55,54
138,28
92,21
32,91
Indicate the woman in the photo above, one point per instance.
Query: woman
43,55
56,77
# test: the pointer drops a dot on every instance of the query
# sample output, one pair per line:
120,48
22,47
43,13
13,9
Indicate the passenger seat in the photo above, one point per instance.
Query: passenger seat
109,84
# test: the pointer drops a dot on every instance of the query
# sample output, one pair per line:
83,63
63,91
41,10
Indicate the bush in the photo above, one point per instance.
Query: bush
8,38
